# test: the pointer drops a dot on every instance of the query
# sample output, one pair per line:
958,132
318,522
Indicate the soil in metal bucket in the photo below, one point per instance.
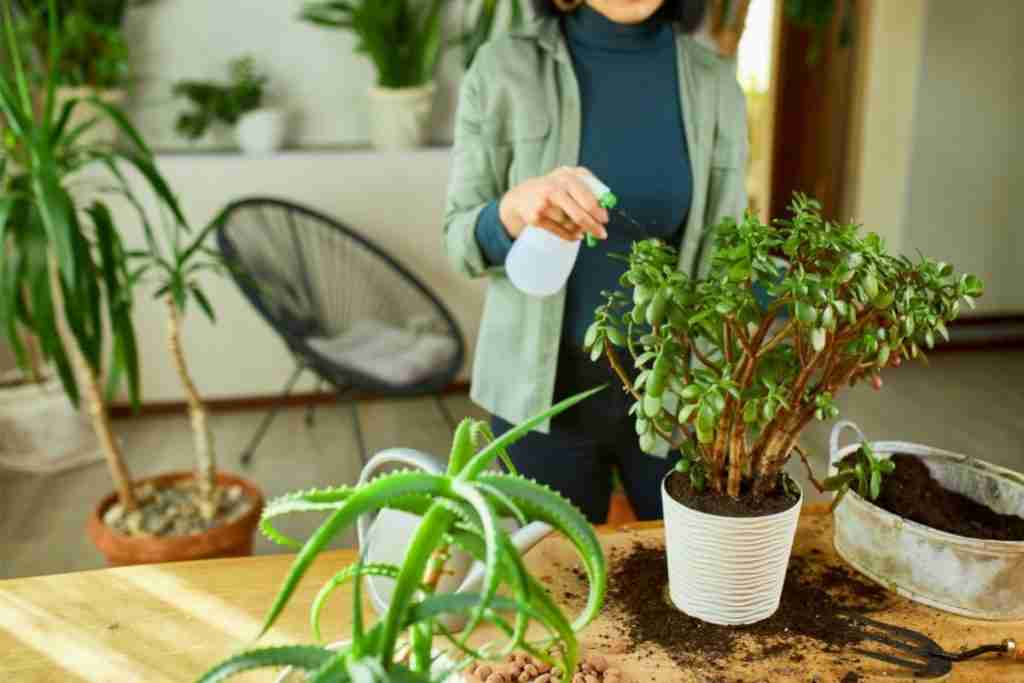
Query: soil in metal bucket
911,492
679,487
814,595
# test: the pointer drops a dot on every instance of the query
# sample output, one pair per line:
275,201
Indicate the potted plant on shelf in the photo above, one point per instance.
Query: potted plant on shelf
458,509
404,40
732,384
93,60
259,129
66,278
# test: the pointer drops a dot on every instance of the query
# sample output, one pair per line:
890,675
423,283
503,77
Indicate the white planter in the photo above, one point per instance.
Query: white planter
105,131
400,117
41,433
727,570
260,132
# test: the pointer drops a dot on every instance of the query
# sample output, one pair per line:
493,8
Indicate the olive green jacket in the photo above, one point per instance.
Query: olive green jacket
518,118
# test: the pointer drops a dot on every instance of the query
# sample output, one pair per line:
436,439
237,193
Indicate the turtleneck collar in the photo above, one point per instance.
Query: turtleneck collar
588,27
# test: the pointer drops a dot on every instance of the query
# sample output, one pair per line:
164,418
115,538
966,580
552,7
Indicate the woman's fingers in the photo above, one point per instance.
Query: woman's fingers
584,196
577,214
561,218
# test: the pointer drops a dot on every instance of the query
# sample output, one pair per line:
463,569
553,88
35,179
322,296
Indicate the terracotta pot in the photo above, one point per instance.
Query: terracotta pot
229,540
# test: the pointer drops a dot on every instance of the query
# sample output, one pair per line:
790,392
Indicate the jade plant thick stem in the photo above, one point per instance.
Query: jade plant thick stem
731,380
459,509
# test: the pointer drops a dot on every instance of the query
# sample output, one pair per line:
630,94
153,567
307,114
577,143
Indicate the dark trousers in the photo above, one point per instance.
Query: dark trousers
588,442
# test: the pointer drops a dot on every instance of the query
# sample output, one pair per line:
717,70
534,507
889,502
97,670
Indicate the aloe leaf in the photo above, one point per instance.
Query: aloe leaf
482,459
462,446
346,574
305,657
504,501
541,503
489,520
374,494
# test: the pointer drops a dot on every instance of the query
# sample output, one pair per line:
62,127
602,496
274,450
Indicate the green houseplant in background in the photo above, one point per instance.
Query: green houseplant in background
459,509
405,40
731,384
66,277
239,103
93,59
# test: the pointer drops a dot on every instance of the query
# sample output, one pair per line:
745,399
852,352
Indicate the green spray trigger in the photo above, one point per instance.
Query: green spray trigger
606,201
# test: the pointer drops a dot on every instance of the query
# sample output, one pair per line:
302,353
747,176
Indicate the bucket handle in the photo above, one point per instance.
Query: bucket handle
833,440
400,456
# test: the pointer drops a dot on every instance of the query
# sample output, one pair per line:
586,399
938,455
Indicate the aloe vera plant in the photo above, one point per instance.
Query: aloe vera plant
731,381
459,509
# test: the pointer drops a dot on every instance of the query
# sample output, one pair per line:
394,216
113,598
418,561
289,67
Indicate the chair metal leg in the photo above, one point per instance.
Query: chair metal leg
358,429
448,417
311,408
261,431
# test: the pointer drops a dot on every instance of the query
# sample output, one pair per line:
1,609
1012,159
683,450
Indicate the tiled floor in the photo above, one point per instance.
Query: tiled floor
966,402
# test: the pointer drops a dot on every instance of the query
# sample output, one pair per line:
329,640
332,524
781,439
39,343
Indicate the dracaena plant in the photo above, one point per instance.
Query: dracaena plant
175,259
732,382
459,509
65,275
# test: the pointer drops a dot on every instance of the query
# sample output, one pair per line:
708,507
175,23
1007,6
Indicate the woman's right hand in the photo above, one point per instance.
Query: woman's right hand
558,202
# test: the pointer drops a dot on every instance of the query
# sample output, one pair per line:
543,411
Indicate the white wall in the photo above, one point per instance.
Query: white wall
395,199
941,161
313,72
892,42
966,189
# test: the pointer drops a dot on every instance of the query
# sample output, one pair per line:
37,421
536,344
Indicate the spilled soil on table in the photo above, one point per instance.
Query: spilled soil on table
808,616
911,492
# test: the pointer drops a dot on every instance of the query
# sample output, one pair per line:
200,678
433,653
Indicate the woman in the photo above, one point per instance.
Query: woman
616,88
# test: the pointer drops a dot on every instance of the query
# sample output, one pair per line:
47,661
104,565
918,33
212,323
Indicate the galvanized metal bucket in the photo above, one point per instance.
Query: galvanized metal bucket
975,578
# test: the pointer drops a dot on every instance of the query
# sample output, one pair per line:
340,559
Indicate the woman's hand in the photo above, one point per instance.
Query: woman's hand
558,202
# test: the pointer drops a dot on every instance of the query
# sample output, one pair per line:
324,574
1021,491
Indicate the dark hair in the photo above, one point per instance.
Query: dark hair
689,13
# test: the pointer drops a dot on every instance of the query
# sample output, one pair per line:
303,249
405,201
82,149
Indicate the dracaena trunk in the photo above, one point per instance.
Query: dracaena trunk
206,467
97,405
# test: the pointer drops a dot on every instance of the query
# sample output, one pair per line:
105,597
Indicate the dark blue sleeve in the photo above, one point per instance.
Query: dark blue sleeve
491,235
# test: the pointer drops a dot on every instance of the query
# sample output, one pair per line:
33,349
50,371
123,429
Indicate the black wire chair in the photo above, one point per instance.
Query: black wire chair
347,310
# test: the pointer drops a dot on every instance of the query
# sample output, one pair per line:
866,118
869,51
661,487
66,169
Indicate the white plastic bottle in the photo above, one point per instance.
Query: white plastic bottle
539,262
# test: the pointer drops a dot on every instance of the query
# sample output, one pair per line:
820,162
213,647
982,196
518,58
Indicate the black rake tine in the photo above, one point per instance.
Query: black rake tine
897,644
913,636
916,667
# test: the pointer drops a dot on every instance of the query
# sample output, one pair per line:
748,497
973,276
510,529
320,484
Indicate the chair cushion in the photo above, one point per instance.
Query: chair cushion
386,352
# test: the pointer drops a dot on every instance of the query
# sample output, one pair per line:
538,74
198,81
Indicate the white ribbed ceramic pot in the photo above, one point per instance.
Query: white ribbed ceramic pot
727,570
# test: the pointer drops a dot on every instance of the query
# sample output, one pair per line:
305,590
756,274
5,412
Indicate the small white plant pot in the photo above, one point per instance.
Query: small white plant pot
727,570
261,131
400,117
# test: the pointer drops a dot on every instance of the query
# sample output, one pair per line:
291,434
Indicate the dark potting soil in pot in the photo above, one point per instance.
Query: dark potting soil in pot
813,597
911,492
679,487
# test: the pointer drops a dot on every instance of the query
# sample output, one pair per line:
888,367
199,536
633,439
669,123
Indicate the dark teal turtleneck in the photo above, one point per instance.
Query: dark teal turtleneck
632,138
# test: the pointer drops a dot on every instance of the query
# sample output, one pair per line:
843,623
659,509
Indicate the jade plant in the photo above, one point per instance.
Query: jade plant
731,381
460,509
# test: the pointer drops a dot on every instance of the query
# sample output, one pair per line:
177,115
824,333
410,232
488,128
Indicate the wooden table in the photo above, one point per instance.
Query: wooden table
172,622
